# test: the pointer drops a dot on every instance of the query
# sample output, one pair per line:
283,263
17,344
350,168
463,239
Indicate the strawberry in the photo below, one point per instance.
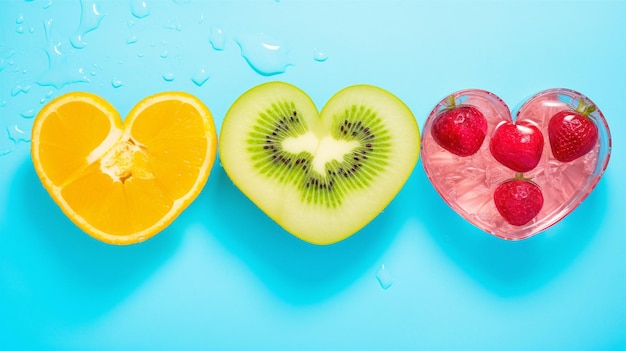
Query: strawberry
572,133
460,129
518,200
517,146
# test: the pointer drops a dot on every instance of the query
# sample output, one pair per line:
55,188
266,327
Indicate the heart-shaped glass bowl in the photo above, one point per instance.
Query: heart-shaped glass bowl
468,183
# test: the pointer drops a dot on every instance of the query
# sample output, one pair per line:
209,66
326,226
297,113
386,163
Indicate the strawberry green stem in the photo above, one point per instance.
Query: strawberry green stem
585,109
451,101
520,176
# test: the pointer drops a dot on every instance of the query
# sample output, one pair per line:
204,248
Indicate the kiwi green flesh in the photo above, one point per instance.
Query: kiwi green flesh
321,176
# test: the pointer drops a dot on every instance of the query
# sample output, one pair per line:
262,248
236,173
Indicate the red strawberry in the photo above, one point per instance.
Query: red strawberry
460,129
572,133
517,146
518,200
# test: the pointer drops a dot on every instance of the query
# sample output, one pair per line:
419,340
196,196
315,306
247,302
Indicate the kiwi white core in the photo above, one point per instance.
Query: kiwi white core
323,150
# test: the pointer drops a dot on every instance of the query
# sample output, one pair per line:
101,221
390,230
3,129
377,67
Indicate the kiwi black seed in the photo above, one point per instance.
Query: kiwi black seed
357,170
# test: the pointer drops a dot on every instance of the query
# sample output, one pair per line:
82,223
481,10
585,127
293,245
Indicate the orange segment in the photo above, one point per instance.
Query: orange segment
123,182
73,127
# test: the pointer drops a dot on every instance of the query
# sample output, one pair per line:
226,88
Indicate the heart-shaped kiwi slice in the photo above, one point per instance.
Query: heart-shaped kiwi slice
321,175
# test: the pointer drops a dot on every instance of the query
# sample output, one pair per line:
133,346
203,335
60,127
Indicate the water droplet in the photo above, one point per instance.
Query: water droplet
164,54
116,83
319,56
19,19
384,278
140,8
29,113
6,143
200,77
19,29
46,97
47,4
181,2
59,72
168,77
174,25
217,39
90,19
131,40
20,88
17,134
3,103
267,56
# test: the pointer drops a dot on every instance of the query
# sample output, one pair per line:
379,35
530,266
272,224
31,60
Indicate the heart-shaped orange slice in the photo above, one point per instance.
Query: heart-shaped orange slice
122,182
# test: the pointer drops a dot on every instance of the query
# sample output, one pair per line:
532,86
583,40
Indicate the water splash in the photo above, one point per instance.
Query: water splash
217,39
384,278
20,88
7,145
140,8
90,19
18,134
60,72
319,56
28,113
200,77
266,56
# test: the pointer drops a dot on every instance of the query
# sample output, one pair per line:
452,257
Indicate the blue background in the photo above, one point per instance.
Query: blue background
225,277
